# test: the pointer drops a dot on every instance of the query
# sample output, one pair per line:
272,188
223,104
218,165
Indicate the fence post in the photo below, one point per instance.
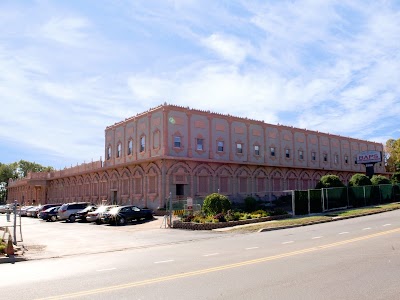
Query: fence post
15,222
170,209
365,201
309,201
293,204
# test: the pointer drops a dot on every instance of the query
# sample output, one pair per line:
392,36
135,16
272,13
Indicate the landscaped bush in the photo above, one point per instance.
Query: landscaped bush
2,247
220,217
260,213
379,179
359,180
250,204
216,203
328,181
278,212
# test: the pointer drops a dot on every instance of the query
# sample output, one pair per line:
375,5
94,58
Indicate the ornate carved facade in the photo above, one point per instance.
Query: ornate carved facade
191,153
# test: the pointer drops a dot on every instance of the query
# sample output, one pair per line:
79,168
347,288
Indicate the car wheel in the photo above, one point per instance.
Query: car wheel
121,221
53,218
71,218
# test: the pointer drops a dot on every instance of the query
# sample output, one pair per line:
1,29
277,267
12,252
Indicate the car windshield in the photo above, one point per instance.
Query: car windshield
114,210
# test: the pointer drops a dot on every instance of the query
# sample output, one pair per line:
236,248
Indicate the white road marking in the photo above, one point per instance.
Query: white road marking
387,225
367,228
110,269
317,237
288,242
211,254
163,261
251,248
344,232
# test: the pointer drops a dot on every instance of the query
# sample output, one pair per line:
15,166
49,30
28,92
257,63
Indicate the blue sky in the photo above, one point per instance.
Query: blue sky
71,68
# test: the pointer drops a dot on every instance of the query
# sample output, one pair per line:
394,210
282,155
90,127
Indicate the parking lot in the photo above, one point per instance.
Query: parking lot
43,239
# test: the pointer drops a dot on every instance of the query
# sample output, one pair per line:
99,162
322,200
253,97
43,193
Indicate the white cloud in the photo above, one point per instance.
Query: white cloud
228,47
66,30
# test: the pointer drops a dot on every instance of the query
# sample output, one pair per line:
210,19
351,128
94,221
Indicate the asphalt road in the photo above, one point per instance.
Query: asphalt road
350,259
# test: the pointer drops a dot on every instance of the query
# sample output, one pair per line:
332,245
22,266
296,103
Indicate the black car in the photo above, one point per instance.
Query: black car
124,214
49,214
81,215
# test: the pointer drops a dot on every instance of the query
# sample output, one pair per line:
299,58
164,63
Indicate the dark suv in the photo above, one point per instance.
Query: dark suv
124,214
68,211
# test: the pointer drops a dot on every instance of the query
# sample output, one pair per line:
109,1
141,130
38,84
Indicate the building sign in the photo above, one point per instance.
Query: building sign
368,157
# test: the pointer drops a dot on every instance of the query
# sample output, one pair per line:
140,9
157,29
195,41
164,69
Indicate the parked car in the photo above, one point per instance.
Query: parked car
68,211
47,206
49,214
95,216
81,215
124,214
32,212
24,210
3,209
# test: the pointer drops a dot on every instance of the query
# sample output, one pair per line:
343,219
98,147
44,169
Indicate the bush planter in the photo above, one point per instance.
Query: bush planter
210,226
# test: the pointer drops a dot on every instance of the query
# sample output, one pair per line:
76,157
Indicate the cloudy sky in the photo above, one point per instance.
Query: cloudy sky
70,68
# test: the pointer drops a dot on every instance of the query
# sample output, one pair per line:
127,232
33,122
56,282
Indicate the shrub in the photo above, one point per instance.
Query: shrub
328,181
2,247
232,216
359,180
187,218
278,212
379,179
260,213
216,203
396,177
250,204
220,217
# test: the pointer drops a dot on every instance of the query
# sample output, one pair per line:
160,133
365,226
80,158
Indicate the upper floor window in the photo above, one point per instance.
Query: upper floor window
346,159
220,146
130,147
256,150
119,148
239,148
287,153
313,156
177,141
325,157
272,151
336,159
200,144
109,152
142,144
301,156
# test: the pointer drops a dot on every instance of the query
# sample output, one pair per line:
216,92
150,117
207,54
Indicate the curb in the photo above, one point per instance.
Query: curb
11,259
325,221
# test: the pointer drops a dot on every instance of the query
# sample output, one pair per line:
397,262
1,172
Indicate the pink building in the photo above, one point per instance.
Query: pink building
192,153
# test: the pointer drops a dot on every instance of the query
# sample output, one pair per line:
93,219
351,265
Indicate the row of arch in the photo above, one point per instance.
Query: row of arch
149,184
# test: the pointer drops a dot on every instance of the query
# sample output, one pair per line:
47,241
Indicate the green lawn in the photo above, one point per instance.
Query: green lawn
299,220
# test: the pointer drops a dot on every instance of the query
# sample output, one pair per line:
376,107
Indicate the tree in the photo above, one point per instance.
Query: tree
392,157
17,170
379,179
24,167
359,180
7,171
396,178
329,181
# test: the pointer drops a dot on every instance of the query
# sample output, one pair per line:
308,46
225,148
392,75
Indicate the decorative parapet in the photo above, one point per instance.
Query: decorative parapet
82,168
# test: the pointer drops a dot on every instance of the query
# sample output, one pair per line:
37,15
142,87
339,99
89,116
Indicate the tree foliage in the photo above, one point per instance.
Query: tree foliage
392,157
329,181
396,178
379,179
216,203
359,180
17,170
